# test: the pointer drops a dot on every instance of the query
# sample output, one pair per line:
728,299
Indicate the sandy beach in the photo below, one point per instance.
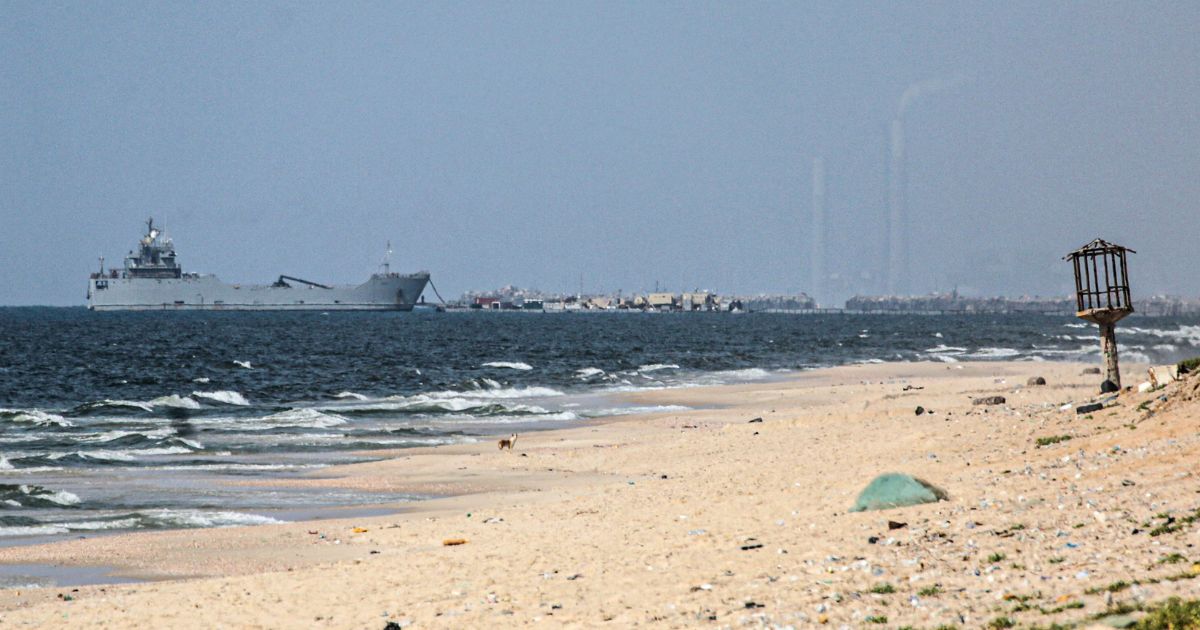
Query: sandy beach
733,514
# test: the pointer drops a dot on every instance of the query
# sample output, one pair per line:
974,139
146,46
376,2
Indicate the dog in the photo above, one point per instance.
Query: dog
508,442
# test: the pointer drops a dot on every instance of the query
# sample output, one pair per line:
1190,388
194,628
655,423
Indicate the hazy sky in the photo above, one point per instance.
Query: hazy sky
624,143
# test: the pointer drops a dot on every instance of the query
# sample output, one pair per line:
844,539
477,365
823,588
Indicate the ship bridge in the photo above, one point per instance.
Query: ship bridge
155,257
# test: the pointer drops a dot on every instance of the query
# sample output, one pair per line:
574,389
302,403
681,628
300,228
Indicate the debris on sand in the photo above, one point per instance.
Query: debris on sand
893,490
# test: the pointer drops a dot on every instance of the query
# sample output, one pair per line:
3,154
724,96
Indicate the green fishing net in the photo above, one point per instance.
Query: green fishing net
894,490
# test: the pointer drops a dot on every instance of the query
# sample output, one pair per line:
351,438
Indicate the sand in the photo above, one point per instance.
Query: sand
704,518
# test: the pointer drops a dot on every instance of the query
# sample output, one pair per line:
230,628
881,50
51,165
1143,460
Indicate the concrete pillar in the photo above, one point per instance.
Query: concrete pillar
1108,348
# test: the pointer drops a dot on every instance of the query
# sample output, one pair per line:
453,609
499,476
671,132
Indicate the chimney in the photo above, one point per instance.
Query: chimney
817,264
897,260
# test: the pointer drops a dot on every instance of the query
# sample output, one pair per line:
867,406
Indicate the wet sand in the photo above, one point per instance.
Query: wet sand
705,518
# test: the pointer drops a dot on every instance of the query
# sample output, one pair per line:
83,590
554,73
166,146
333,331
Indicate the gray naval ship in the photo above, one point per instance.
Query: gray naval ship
153,280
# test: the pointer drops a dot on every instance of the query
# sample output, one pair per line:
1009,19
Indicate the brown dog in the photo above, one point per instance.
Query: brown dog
508,442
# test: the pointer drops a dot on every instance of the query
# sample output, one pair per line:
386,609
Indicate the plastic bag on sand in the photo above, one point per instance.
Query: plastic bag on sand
894,490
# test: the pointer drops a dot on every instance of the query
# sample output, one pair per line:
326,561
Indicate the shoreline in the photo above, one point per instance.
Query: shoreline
618,501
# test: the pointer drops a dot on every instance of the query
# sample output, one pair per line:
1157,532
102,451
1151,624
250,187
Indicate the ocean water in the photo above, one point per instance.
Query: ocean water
122,421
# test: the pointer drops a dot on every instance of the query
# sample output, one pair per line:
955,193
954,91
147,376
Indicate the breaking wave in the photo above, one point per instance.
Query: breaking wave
35,417
511,365
302,417
654,367
142,519
226,397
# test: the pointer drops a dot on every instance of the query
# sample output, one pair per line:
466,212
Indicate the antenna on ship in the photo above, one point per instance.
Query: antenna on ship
387,259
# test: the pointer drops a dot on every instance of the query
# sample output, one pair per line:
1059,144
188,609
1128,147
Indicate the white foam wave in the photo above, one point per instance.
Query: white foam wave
303,417
635,410
511,365
61,497
993,353
353,395
243,364
1185,334
1135,356
35,416
243,467
120,523
128,404
105,455
108,436
451,401
588,372
202,380
227,397
654,367
746,374
32,530
175,400
202,518
561,416
944,349
169,450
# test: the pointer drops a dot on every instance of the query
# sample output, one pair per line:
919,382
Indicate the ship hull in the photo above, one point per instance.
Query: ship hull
382,292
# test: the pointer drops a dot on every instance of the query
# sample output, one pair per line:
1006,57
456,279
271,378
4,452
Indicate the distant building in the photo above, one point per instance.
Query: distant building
699,301
662,301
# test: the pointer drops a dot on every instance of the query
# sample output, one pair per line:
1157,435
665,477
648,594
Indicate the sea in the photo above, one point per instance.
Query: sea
114,422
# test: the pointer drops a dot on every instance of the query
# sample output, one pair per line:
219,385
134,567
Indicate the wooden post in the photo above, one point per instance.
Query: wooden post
1108,347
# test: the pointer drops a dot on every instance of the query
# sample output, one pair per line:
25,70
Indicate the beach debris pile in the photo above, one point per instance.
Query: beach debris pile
892,490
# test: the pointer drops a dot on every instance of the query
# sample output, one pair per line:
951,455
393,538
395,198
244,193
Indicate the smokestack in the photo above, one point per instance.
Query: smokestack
897,261
817,267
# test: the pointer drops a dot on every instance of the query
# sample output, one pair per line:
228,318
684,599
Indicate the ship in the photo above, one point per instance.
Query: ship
153,280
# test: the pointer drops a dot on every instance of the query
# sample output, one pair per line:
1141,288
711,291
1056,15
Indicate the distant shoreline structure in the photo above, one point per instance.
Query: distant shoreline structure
512,298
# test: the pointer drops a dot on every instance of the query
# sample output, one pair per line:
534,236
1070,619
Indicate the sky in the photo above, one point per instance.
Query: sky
603,145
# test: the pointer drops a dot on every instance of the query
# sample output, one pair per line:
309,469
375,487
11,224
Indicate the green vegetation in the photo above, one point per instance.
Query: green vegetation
1175,614
930,591
1053,439
876,619
996,557
1172,525
1001,622
1115,587
1188,366
1018,527
1057,609
1174,558
883,589
1058,560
